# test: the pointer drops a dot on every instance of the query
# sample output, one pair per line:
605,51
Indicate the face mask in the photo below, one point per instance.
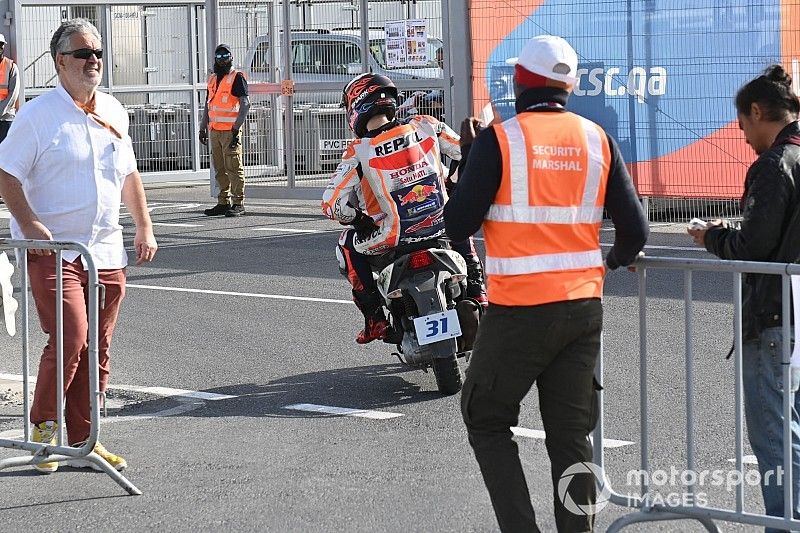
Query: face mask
222,68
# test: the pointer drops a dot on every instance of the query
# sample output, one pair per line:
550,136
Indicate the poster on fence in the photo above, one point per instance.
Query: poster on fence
406,43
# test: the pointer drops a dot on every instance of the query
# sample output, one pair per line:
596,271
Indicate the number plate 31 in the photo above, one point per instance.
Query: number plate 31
437,327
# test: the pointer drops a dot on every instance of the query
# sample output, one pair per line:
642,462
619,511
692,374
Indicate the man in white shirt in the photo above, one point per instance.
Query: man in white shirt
66,165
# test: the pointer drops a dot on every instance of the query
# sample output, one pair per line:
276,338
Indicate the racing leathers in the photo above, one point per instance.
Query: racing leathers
390,185
400,171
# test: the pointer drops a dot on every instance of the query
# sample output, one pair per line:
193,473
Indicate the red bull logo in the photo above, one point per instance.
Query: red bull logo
418,193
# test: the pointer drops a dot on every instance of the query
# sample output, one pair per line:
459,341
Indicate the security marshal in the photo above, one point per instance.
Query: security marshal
538,184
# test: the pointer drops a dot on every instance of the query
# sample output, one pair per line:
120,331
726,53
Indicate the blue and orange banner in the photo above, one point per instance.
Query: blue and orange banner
660,76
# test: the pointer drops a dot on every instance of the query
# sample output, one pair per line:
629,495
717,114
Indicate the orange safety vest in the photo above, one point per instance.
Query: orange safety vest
5,71
223,107
542,232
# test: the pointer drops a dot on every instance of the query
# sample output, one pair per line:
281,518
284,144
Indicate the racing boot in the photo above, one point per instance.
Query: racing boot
375,324
476,286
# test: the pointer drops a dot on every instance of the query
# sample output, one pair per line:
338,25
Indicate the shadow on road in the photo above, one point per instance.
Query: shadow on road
34,505
364,387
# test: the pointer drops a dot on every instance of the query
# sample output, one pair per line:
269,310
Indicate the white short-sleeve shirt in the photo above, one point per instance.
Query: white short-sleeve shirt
72,171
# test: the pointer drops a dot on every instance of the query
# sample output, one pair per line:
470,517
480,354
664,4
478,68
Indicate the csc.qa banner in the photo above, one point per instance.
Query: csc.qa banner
659,75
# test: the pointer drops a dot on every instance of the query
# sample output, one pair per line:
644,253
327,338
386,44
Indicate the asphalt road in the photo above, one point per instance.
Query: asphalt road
255,309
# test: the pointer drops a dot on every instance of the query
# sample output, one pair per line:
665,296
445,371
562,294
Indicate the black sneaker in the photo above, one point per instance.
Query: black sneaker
217,210
236,210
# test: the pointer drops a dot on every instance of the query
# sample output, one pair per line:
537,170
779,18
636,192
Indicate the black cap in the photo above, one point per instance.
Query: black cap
225,47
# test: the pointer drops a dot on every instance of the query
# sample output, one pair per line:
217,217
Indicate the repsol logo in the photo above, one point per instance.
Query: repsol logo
614,82
396,144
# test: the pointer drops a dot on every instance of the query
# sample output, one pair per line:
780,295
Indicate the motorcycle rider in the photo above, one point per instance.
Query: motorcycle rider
391,187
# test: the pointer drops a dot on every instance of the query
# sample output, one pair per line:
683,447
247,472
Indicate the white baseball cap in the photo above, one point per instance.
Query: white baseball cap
549,56
2,38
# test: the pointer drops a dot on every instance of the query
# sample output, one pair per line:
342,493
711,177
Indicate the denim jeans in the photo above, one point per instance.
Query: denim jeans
763,404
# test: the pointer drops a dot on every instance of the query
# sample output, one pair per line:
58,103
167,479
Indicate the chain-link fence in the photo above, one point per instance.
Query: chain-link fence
156,64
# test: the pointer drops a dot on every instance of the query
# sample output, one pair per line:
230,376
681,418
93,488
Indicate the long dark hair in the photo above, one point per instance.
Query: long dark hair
773,92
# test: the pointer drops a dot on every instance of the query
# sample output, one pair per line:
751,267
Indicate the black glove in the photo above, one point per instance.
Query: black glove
203,136
470,128
364,225
234,139
449,186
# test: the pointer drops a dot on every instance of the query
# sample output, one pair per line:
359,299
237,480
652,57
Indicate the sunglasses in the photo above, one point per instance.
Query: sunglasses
224,55
84,53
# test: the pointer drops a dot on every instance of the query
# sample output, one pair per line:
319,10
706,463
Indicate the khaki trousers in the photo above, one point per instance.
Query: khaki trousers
227,161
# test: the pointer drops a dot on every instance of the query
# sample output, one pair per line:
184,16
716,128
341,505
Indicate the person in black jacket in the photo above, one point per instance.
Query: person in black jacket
768,111
542,215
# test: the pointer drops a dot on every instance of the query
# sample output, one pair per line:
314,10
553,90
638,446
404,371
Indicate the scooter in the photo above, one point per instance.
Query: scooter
433,322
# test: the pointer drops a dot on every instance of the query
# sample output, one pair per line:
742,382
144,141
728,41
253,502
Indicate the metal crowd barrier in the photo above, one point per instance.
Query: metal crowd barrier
650,511
45,452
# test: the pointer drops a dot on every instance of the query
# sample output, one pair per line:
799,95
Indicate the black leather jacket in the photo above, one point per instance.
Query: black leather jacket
767,231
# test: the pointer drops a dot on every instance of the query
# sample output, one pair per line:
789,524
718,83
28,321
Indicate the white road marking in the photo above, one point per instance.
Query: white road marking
747,460
342,411
16,377
168,392
185,407
152,206
539,434
176,225
4,213
292,230
156,391
224,241
248,294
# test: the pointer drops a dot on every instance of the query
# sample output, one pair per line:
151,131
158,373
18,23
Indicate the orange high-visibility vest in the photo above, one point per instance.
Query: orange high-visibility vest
223,107
543,230
5,72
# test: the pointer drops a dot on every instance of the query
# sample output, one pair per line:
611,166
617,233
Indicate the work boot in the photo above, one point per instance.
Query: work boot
217,210
476,287
236,210
375,324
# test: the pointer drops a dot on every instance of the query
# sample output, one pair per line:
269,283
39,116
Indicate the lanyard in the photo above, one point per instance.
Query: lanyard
89,109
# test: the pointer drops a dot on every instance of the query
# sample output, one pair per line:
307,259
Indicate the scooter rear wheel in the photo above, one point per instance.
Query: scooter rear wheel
448,374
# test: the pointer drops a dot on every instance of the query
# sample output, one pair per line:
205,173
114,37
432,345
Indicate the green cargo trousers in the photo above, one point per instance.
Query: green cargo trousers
227,167
555,346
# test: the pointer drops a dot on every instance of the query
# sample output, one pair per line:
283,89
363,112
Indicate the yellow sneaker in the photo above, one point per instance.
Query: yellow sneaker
117,462
45,432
